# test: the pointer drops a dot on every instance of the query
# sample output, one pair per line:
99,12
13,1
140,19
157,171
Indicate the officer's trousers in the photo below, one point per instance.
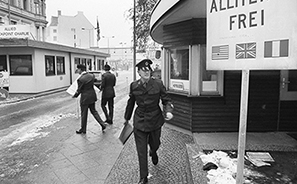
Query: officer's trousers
142,139
84,115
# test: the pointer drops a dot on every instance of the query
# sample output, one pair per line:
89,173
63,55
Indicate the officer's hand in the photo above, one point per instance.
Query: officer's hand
169,116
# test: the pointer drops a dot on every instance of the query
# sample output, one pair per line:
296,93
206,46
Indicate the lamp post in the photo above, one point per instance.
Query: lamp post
89,34
107,37
134,40
121,43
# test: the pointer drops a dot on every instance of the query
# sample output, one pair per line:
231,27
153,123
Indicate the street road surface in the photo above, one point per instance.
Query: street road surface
30,130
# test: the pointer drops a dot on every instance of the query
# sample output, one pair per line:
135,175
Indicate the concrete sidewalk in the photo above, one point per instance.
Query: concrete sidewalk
100,158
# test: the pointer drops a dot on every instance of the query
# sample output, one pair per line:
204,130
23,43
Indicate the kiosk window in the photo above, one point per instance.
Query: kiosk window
179,64
20,64
49,65
60,65
187,72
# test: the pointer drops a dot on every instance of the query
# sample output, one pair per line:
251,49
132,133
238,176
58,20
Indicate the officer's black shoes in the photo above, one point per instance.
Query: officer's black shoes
80,132
110,122
155,158
143,180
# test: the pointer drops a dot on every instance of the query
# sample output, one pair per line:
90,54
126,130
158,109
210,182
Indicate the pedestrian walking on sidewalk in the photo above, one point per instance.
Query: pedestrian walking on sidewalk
108,93
88,98
148,116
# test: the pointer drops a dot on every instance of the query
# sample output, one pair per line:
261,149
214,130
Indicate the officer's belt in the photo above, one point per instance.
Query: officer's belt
148,109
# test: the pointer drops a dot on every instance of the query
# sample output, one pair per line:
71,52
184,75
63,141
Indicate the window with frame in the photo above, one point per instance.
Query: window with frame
179,63
89,64
211,79
179,68
83,61
20,64
60,65
76,61
50,65
188,74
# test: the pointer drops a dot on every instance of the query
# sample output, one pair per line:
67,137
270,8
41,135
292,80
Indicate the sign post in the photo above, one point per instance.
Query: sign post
246,35
242,125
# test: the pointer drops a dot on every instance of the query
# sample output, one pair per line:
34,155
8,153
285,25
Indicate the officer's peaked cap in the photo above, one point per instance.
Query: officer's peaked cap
145,64
106,67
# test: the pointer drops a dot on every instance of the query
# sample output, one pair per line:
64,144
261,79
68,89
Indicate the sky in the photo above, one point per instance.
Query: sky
111,16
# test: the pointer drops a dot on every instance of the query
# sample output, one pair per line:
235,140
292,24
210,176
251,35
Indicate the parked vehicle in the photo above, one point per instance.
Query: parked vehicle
98,77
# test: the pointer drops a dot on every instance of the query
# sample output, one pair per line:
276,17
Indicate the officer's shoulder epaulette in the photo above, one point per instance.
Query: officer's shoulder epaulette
135,84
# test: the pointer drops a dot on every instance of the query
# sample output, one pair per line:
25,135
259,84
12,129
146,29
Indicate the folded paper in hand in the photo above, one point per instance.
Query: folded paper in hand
126,133
73,88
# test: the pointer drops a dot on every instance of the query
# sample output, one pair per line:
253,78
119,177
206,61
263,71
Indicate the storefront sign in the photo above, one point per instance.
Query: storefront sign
14,31
4,79
180,85
251,34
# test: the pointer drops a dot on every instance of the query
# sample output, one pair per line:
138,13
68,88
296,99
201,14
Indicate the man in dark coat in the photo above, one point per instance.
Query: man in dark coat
108,93
148,116
87,99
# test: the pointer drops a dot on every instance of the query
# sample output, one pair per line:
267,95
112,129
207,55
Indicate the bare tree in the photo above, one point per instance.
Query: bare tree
143,10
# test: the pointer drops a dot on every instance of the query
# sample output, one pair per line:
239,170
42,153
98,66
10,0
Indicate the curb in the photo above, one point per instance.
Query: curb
35,95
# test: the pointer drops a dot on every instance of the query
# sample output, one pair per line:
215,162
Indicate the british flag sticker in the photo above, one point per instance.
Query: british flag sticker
246,50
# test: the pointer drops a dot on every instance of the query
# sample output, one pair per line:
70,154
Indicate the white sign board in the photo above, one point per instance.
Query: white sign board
251,34
14,31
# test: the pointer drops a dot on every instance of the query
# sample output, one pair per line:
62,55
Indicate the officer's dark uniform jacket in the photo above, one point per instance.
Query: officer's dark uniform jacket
86,89
148,115
107,86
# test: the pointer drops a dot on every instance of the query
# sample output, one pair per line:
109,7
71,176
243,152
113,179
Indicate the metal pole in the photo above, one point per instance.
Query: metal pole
242,125
134,41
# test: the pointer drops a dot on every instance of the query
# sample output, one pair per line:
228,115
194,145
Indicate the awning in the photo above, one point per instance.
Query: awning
172,11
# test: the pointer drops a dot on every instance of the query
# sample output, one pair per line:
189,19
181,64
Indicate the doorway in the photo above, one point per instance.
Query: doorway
288,101
288,85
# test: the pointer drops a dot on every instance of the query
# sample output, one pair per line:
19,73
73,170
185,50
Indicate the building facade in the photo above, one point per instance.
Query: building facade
25,12
29,64
35,66
209,100
76,31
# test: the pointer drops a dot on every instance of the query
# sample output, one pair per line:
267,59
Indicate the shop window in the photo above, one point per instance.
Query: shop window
179,68
212,80
20,65
76,61
50,65
60,65
179,64
84,61
89,64
188,74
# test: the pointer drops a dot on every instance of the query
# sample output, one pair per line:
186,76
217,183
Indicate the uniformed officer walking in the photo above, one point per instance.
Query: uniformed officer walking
88,98
148,116
108,93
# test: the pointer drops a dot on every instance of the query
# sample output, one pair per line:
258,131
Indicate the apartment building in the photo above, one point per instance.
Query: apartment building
30,13
29,64
76,31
